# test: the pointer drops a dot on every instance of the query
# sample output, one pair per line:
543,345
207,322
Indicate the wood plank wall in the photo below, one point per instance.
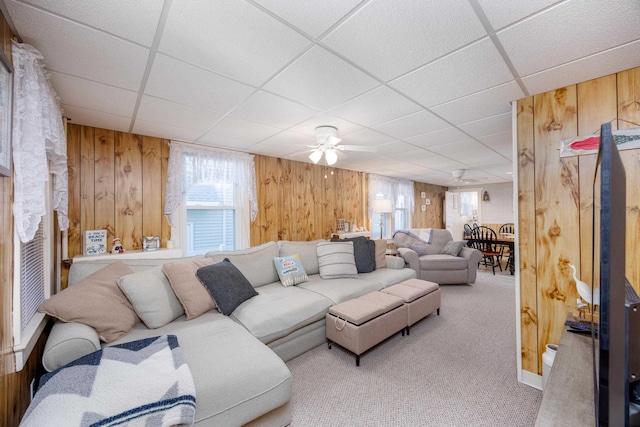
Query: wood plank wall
433,217
116,183
555,200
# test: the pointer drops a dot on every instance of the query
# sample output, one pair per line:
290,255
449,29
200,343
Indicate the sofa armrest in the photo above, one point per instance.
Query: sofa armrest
411,258
394,262
67,342
473,255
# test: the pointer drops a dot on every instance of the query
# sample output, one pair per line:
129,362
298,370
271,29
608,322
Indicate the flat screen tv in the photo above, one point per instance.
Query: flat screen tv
617,370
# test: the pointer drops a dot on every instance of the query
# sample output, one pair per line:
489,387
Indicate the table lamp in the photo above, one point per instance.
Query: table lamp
382,206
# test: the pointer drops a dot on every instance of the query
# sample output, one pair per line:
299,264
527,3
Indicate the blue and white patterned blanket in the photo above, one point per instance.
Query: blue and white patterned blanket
140,383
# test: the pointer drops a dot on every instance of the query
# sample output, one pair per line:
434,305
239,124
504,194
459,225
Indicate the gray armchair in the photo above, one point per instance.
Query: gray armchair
428,261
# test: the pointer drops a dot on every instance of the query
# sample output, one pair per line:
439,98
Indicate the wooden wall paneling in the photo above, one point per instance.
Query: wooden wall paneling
128,190
301,197
597,104
165,233
310,190
105,205
286,196
265,228
631,161
353,199
629,117
527,232
319,202
87,178
557,210
331,195
6,279
629,98
74,170
152,188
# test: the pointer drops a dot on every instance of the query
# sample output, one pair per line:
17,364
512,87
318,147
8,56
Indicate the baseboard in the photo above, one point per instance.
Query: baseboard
531,379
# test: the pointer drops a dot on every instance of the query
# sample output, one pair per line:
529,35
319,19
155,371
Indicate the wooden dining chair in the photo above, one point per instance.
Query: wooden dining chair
484,239
506,228
467,231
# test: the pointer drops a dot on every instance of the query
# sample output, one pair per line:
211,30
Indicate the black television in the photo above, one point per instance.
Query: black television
617,371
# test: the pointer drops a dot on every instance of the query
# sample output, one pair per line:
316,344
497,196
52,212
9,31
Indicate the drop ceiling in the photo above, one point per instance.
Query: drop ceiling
428,83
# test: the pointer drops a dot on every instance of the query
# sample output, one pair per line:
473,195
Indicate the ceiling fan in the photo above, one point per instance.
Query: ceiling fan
329,145
457,177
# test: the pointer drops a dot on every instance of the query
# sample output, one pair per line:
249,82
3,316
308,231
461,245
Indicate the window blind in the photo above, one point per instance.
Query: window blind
32,276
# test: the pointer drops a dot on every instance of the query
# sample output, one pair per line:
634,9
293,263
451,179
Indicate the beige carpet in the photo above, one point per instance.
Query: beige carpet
456,369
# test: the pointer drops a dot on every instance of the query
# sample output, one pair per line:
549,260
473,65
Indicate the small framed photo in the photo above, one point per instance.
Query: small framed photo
423,208
6,103
423,195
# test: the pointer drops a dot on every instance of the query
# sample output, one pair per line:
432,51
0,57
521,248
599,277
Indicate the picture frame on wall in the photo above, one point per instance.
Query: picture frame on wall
6,107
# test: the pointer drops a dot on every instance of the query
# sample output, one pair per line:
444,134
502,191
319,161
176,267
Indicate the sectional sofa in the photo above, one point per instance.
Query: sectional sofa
237,361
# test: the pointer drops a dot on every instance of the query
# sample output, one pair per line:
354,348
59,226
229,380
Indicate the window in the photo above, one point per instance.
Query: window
212,218
400,192
34,279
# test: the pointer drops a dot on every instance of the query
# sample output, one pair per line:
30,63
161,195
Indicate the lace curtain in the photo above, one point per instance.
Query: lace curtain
399,191
190,165
39,144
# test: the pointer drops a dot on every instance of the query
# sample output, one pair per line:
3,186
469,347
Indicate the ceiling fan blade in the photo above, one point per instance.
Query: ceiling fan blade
362,148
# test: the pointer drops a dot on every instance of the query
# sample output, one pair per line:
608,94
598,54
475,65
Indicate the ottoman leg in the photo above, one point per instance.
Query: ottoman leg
329,342
357,360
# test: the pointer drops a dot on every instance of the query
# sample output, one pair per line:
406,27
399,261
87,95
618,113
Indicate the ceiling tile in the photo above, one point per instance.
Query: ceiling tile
97,119
438,137
270,150
569,31
211,34
176,115
490,125
136,21
314,17
417,33
377,106
412,125
469,147
309,127
581,70
395,147
476,67
321,80
266,108
292,140
242,129
366,137
221,141
501,139
484,159
107,99
501,14
164,130
481,105
73,49
194,86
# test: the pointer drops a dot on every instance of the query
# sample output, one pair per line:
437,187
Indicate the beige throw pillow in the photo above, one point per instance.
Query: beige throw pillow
381,252
192,294
96,301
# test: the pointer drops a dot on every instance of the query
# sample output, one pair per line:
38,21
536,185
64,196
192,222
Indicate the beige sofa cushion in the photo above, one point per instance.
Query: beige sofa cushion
190,292
256,263
336,260
151,295
96,301
307,252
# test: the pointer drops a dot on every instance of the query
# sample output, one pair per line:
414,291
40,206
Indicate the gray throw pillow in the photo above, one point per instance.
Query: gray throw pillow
363,252
453,248
226,284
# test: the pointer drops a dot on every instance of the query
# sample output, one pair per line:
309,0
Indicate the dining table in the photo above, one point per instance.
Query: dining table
506,239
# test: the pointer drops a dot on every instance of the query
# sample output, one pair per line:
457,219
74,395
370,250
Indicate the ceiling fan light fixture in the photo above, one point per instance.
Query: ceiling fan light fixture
315,156
331,156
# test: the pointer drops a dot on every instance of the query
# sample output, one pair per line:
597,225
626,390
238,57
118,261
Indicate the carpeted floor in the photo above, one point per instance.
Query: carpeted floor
456,369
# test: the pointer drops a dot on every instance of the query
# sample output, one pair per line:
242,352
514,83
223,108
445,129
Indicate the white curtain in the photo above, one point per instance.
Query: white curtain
190,165
39,144
399,191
